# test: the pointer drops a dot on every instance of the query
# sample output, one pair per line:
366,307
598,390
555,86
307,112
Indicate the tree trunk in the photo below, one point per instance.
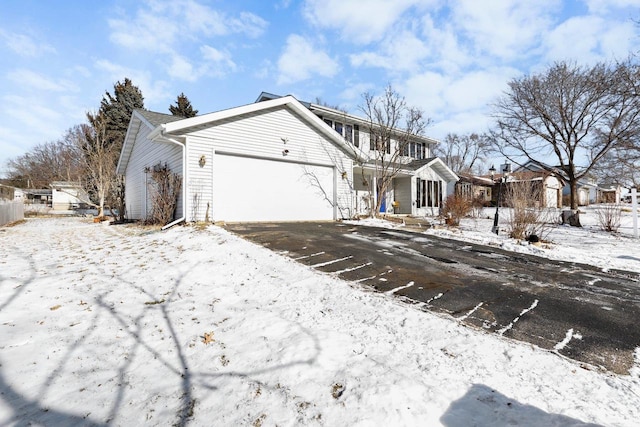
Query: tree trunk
573,185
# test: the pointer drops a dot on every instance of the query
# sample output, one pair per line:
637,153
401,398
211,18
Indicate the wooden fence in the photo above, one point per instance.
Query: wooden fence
11,212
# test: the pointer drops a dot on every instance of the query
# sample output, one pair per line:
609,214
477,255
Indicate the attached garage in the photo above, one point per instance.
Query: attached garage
273,160
255,189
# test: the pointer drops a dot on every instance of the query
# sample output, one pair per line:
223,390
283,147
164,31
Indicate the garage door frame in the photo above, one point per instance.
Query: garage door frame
219,156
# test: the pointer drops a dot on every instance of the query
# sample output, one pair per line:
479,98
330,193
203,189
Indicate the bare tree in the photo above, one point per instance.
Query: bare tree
527,215
392,126
52,161
463,153
571,114
99,157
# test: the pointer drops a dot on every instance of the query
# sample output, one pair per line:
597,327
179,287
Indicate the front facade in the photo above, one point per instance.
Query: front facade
67,196
273,160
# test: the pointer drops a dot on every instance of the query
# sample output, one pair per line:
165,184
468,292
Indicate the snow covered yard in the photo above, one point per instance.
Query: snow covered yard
128,326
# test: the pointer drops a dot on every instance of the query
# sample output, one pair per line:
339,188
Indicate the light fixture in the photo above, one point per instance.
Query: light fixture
202,161
285,152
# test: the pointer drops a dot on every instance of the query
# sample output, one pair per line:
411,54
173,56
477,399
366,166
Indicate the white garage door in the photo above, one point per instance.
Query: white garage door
248,189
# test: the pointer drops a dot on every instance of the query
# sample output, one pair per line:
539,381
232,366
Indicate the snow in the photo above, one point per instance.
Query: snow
129,326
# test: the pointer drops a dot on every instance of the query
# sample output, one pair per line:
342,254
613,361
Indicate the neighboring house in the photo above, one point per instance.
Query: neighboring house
587,192
277,159
547,184
610,193
38,196
10,193
475,188
68,195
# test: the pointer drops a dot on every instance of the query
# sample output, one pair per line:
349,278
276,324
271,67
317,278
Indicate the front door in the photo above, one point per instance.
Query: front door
383,205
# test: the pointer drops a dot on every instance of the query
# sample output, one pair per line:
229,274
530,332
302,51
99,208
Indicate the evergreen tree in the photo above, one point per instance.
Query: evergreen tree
183,107
115,111
103,143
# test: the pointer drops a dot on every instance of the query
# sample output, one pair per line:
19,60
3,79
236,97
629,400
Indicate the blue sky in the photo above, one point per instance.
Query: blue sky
450,58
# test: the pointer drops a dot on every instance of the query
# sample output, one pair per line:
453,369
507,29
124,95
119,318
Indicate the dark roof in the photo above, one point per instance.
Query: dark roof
156,119
417,164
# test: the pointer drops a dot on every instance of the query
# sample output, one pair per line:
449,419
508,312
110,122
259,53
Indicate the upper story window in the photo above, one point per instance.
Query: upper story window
415,150
338,127
348,133
356,135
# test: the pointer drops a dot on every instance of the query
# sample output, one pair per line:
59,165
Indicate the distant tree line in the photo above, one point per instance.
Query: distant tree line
88,153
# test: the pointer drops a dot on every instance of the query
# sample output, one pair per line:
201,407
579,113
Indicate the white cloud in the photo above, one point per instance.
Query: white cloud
25,45
219,62
181,68
300,61
604,6
33,80
506,29
400,52
159,26
357,21
152,90
588,39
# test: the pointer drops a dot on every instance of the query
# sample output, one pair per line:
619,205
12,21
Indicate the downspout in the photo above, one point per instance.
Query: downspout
184,187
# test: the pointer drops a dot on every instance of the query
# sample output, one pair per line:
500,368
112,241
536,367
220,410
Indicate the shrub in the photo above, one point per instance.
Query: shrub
165,189
527,217
609,217
455,208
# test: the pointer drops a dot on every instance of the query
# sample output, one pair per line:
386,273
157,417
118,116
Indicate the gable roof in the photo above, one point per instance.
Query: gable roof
164,125
333,114
436,164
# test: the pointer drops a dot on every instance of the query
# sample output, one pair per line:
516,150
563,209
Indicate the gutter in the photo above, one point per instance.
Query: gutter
184,187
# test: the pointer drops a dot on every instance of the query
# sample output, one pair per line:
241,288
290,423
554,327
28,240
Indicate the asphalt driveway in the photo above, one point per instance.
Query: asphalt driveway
575,310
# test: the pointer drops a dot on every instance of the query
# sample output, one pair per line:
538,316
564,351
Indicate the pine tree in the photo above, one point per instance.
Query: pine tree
183,107
104,141
115,111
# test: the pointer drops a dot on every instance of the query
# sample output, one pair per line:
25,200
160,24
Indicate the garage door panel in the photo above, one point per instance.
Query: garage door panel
249,189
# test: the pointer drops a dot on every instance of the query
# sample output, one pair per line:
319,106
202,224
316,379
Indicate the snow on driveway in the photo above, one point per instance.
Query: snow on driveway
129,326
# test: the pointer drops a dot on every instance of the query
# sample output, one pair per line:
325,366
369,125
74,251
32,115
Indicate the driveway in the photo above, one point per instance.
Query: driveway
575,310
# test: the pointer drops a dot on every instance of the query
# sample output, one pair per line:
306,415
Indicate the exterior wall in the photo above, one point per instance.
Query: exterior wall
200,163
275,134
403,195
146,154
67,198
553,192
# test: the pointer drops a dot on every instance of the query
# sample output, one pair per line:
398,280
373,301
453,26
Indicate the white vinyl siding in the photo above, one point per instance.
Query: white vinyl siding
277,135
146,154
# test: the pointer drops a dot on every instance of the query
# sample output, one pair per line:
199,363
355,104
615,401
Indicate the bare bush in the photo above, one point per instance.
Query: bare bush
165,190
527,216
609,217
455,208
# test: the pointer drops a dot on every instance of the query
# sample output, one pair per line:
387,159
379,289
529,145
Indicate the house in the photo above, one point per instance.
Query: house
547,183
38,196
475,188
610,193
277,159
8,192
68,195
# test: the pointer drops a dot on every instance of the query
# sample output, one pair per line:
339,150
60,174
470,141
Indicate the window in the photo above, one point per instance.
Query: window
428,193
356,135
373,141
415,150
348,133
329,122
338,127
